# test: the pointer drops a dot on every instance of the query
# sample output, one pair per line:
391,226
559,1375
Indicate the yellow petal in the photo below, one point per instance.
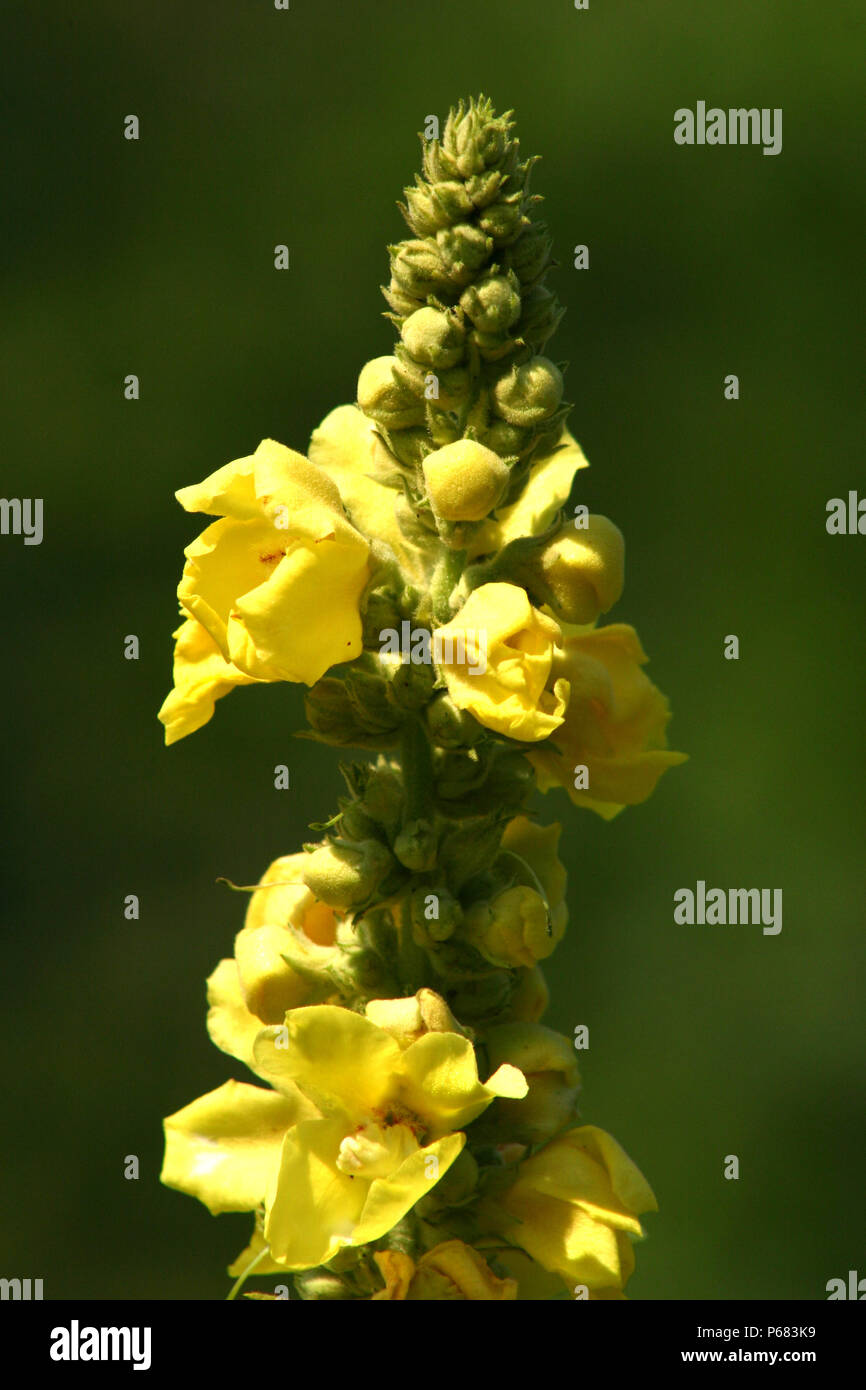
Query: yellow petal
397,1270
441,1082
201,677
224,1148
342,1061
281,623
389,1199
230,1024
347,446
468,1272
312,1207
546,490
230,491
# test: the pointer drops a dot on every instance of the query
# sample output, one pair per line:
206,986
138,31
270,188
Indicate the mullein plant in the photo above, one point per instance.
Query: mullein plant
413,1131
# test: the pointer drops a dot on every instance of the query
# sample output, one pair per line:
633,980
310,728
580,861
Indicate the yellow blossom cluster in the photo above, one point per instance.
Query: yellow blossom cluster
413,1130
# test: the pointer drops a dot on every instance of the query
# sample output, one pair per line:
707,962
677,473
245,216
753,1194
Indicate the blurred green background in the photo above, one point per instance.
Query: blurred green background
156,257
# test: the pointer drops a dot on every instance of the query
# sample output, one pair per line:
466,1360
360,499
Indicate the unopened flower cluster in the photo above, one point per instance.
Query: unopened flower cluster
412,1130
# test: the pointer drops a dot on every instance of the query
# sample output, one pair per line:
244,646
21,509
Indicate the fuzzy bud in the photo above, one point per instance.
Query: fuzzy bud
465,480
529,393
345,876
384,398
493,305
434,337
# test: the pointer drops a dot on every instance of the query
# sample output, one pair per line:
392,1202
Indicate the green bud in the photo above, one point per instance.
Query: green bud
450,727
484,188
402,303
434,337
528,393
383,796
470,847
430,207
504,221
455,385
436,913
463,248
384,398
509,441
410,447
483,998
335,717
346,875
411,685
492,305
529,256
356,824
418,268
540,317
415,846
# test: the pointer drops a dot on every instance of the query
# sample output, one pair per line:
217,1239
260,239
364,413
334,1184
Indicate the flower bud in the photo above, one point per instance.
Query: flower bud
402,303
540,316
464,246
513,928
547,1060
509,441
418,268
530,997
430,207
434,337
465,480
584,571
529,257
416,846
504,221
448,726
384,398
528,393
493,305
436,914
407,1020
345,876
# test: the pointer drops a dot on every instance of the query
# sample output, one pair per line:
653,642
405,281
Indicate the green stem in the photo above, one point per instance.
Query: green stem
448,571
417,763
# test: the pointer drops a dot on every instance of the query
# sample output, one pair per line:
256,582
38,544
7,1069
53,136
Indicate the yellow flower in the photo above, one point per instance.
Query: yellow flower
514,928
574,1206
277,580
452,1271
614,725
546,490
348,448
280,912
258,985
386,1126
201,676
536,845
501,654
